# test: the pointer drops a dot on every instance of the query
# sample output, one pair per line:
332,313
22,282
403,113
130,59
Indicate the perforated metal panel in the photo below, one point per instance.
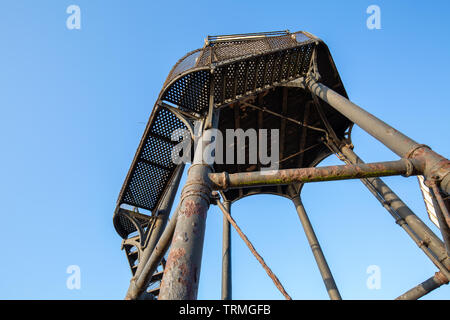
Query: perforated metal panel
242,78
125,225
262,63
153,166
125,222
191,92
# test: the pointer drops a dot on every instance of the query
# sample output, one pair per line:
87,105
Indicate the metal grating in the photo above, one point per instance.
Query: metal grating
239,78
153,166
125,222
191,92
126,226
239,67
145,185
224,52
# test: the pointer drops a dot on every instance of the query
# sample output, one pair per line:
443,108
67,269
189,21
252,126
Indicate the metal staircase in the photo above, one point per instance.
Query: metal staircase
136,229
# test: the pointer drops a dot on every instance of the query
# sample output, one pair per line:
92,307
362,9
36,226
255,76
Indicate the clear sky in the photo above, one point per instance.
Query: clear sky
74,104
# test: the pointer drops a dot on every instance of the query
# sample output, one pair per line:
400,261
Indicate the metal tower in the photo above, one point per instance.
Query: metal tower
272,80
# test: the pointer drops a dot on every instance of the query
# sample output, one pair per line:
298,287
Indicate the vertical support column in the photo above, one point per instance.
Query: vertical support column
325,271
181,275
226,256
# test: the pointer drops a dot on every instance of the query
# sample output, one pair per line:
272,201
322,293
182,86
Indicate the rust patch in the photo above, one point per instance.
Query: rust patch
174,256
185,279
191,208
182,278
183,270
441,278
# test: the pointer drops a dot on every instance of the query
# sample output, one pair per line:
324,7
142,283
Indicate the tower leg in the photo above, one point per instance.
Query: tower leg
403,211
226,256
182,272
425,287
432,165
325,271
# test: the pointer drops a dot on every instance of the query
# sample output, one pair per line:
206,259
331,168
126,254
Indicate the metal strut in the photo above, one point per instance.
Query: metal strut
424,238
223,181
431,164
398,209
425,287
138,284
324,269
158,239
226,255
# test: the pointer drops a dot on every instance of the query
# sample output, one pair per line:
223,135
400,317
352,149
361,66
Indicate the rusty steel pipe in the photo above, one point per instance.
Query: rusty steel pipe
392,200
435,166
223,181
182,272
425,287
324,269
226,255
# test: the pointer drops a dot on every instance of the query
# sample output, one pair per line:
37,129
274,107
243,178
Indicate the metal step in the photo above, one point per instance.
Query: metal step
157,276
154,291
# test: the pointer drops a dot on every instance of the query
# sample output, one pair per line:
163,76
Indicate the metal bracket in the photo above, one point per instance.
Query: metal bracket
409,168
181,116
297,83
215,197
313,72
414,148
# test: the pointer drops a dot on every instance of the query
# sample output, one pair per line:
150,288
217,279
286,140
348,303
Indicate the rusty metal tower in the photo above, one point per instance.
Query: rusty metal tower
272,80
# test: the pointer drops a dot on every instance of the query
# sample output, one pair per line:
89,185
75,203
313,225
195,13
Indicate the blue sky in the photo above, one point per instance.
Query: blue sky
74,104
